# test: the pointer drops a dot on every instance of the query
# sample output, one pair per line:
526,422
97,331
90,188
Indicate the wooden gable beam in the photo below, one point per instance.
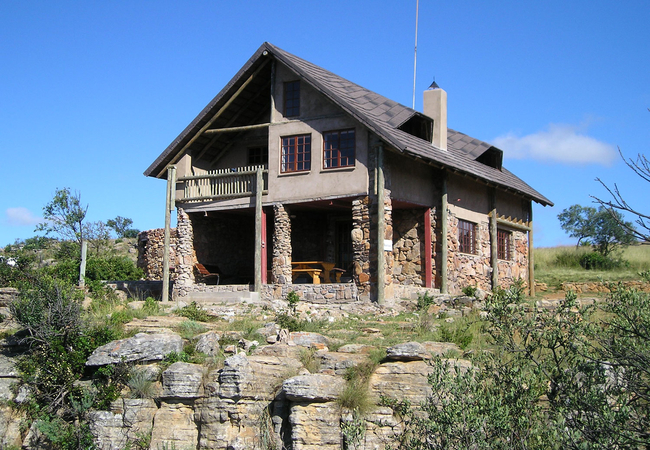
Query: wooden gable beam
215,116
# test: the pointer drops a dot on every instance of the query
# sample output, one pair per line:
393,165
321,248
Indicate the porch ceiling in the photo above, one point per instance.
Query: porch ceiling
250,107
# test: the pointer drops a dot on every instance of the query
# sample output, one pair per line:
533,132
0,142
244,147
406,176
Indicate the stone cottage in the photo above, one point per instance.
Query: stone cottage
295,178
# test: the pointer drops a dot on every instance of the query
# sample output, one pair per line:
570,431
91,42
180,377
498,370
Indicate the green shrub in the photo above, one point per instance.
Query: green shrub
194,312
309,360
470,291
190,328
293,299
424,301
597,261
140,384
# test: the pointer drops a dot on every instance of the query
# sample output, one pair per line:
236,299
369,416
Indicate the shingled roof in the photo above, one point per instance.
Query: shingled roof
378,113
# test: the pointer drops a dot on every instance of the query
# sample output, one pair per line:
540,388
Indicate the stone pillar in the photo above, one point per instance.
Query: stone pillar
185,254
281,269
361,245
389,258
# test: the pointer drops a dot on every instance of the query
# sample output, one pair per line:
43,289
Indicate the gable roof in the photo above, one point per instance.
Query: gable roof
378,113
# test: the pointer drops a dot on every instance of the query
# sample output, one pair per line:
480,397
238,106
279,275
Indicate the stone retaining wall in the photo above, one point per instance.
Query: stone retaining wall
314,293
600,287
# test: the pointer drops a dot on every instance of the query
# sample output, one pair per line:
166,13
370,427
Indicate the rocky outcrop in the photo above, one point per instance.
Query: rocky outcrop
142,347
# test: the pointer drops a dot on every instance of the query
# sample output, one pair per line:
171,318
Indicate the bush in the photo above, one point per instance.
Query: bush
597,261
424,301
194,312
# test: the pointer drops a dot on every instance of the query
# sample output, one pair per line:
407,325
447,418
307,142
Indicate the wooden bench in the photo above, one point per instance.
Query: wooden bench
313,273
337,273
206,274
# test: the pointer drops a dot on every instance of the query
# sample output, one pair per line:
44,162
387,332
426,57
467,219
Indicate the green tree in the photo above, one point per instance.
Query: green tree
603,228
64,215
122,226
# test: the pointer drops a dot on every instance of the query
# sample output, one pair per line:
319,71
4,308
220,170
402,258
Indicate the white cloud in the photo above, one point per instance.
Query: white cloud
559,143
18,217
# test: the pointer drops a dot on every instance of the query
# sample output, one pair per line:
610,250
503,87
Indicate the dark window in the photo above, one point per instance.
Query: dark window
292,98
338,149
466,237
258,155
503,244
296,153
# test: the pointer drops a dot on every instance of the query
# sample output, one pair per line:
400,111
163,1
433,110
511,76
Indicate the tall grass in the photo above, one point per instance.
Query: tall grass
556,265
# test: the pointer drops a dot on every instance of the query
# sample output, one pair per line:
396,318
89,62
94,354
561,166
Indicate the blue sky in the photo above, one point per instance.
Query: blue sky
92,92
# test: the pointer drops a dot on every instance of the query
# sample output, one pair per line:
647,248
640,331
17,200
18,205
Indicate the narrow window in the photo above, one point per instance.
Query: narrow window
296,153
503,244
292,98
338,149
466,237
258,156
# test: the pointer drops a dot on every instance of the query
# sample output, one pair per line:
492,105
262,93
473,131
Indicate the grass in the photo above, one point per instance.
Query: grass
556,265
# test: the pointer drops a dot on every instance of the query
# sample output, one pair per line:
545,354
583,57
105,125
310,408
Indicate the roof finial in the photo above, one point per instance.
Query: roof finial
434,85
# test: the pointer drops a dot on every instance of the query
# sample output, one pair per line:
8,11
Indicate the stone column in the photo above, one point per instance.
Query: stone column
185,255
361,245
281,269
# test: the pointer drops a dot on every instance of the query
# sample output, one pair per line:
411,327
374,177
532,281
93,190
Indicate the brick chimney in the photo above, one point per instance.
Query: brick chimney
435,106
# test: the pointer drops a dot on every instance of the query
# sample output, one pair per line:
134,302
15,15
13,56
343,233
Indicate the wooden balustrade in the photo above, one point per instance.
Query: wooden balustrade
222,184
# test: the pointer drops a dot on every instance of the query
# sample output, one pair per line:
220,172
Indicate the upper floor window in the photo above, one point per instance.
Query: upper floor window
258,156
296,153
338,149
292,98
503,244
466,237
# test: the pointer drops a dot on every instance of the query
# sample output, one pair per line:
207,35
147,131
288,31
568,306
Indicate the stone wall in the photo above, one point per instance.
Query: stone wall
517,267
361,244
281,263
408,247
150,253
314,293
464,269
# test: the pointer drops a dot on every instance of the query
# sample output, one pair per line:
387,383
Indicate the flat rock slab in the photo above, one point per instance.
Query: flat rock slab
313,388
307,339
440,348
409,351
142,347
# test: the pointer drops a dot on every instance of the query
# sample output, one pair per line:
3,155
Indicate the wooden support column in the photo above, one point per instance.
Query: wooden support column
259,188
531,259
443,235
381,228
169,206
264,249
82,267
494,261
428,242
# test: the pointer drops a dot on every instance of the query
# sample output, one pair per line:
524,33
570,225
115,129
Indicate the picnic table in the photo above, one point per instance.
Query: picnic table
314,270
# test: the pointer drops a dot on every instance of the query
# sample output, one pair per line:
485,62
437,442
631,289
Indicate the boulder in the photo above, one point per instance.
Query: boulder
313,388
208,343
182,380
339,363
409,351
440,348
142,347
307,339
315,426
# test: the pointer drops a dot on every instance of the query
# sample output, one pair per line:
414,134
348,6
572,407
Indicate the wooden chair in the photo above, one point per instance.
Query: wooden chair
206,274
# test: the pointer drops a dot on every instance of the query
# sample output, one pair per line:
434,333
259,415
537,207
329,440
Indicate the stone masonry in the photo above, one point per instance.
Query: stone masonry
281,265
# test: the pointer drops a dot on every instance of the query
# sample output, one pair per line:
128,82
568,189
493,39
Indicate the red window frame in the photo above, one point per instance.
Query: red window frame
292,98
503,244
296,153
339,148
466,237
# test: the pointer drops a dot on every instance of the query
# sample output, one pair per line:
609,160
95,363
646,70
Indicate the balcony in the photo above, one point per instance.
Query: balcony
220,184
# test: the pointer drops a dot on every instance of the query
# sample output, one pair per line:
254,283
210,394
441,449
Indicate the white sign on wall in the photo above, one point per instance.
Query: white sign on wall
388,245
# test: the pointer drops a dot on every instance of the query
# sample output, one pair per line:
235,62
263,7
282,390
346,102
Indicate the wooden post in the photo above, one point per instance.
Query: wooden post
443,236
428,263
259,188
531,259
82,267
169,206
381,228
494,261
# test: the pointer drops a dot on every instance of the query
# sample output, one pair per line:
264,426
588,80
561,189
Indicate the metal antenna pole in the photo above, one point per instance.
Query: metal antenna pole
415,58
